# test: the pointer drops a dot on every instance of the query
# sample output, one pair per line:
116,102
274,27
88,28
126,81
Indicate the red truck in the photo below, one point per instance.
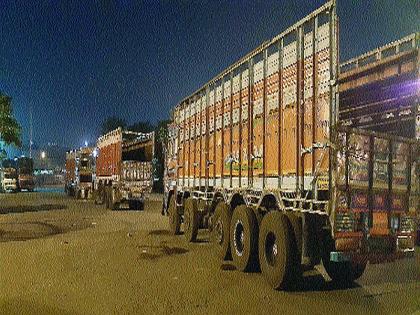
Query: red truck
261,156
124,168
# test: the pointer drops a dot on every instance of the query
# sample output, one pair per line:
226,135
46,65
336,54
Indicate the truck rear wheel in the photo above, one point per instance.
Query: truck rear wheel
276,250
344,272
191,220
174,217
244,238
220,233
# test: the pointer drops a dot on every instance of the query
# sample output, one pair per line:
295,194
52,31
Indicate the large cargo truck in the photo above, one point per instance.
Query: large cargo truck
80,172
124,168
259,156
9,179
379,91
25,173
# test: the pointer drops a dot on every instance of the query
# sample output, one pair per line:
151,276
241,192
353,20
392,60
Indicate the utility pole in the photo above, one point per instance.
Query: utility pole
30,131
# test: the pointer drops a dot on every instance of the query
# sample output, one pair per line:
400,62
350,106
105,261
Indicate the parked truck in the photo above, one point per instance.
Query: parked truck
379,91
9,179
80,172
262,157
124,168
25,173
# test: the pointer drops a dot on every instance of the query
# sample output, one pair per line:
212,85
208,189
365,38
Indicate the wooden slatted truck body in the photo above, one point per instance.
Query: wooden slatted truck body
259,157
124,168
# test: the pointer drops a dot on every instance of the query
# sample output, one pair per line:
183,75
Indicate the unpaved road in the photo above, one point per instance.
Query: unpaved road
61,256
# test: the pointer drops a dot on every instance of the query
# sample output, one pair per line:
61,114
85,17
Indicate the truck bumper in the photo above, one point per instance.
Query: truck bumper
379,250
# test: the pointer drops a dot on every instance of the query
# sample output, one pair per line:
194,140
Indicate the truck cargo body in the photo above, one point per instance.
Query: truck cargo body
80,172
257,155
380,91
26,178
10,178
124,171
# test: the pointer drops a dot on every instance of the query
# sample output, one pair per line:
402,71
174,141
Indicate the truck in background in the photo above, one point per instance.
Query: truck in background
25,173
80,172
10,180
260,156
124,168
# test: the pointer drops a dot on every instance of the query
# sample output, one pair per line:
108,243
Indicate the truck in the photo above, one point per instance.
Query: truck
80,172
25,173
124,168
379,90
9,179
262,157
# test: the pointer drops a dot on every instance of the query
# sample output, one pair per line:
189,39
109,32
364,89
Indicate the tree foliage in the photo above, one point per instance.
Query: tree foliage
112,123
10,130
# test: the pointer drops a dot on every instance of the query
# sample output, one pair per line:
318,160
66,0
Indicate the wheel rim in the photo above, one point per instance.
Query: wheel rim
218,231
271,249
238,238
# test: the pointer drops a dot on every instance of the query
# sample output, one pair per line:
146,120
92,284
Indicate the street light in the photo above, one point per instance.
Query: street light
43,155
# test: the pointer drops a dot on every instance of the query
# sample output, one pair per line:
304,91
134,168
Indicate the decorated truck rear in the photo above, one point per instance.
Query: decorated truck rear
258,156
80,172
124,168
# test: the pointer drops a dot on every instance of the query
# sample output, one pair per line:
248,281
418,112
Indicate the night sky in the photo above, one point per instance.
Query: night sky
78,62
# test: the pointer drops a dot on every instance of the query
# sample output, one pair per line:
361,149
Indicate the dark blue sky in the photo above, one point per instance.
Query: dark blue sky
77,62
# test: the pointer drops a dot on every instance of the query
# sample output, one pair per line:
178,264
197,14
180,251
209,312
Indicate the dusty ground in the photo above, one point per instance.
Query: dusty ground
61,256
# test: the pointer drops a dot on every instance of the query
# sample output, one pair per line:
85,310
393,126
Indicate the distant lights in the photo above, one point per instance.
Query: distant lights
43,155
86,143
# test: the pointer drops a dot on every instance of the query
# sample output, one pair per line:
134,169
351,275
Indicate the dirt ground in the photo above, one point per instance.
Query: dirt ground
61,256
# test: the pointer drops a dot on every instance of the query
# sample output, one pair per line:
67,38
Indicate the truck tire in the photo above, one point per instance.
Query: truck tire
344,272
276,250
220,232
191,220
174,217
244,238
115,205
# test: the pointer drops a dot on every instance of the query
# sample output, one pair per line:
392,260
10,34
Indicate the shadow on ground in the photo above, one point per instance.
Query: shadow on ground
31,208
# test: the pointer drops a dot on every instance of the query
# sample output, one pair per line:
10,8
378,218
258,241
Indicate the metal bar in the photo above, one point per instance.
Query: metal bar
231,128
251,123
214,135
207,143
301,105
222,172
280,100
264,116
314,90
370,172
240,128
298,108
194,139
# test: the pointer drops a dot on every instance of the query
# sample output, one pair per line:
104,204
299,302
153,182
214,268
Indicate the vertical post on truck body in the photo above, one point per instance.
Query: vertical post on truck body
333,94
251,123
301,105
314,97
240,126
280,100
214,133
222,171
207,131
264,114
231,128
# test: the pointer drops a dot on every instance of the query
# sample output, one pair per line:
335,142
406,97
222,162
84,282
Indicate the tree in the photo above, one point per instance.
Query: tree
10,130
142,126
112,123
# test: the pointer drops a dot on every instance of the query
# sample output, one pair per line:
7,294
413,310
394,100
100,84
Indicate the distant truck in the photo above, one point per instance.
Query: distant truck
124,168
9,179
262,157
80,172
25,173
